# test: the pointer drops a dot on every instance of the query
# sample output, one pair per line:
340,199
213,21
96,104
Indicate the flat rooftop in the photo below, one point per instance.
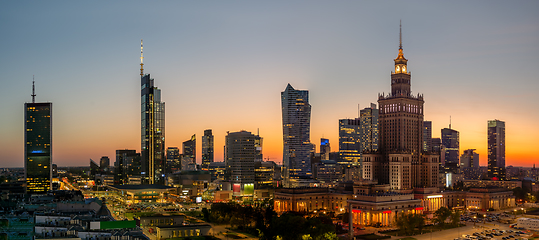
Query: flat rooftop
140,187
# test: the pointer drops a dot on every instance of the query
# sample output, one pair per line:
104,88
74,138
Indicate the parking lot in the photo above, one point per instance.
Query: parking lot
502,232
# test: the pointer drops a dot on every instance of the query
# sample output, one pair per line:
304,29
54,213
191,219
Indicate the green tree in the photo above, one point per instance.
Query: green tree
455,218
408,222
206,214
329,236
441,215
345,217
519,193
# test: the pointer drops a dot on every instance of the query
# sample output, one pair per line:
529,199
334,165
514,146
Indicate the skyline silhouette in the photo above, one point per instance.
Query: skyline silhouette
223,66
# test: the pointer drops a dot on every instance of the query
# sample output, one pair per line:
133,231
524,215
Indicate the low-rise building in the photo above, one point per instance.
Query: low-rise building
528,223
131,194
161,220
489,198
377,205
182,231
491,183
310,200
190,184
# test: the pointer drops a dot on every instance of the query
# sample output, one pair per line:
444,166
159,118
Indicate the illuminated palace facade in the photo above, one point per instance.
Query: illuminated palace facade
400,166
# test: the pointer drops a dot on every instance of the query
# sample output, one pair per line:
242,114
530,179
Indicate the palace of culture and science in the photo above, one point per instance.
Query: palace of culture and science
400,175
400,160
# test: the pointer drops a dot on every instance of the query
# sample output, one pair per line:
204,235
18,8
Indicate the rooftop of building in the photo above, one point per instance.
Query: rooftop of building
301,190
186,226
140,187
191,172
489,189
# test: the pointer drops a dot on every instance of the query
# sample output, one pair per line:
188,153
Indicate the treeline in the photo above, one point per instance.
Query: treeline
263,222
409,222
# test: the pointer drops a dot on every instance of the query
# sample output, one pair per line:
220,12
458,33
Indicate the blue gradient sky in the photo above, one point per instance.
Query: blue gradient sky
222,65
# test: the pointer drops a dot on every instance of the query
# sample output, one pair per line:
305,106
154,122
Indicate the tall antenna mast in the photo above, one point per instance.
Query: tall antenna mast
33,90
400,35
141,62
449,121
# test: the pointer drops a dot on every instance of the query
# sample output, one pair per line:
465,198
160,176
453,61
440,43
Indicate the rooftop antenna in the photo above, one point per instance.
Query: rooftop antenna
33,90
141,58
449,121
400,35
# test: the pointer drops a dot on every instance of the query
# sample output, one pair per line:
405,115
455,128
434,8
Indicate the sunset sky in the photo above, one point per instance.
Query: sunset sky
222,65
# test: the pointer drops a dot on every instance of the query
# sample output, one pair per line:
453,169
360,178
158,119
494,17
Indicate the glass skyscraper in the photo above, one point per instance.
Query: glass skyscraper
173,160
496,149
349,137
37,147
369,129
296,113
207,149
189,152
450,152
358,135
153,132
427,136
241,151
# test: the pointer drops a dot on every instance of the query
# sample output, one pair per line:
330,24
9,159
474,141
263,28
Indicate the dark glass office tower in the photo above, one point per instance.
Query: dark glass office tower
496,149
240,161
152,129
173,160
127,165
450,152
153,132
349,140
37,147
296,113
207,149
189,152
427,136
